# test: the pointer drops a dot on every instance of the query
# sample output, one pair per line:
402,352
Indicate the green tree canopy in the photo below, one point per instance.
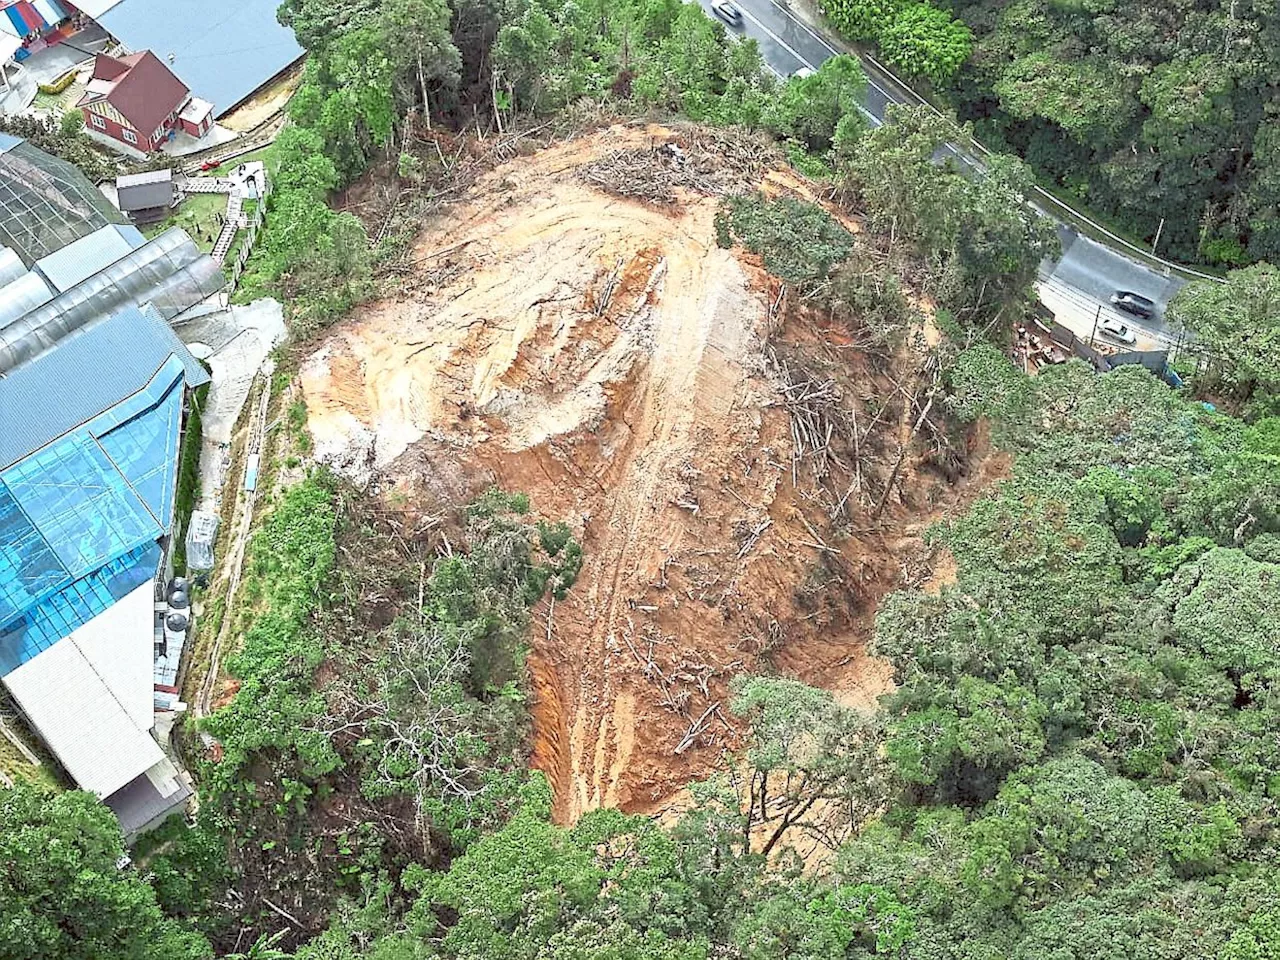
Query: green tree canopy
63,892
1238,322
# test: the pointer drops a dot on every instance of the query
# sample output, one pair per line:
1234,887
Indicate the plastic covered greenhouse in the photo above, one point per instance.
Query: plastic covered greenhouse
45,203
168,272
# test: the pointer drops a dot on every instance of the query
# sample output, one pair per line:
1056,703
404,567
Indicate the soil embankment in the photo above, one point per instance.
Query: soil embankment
604,355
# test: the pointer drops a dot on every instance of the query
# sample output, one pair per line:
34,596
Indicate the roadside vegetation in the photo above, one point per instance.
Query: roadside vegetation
1078,756
1157,120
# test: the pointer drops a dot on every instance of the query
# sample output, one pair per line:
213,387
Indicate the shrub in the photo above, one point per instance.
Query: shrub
184,500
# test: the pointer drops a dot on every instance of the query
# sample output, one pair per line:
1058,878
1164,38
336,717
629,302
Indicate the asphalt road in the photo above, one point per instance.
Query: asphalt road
1091,269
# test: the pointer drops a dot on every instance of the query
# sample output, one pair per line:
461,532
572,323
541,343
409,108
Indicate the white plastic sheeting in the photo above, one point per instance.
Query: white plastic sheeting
201,532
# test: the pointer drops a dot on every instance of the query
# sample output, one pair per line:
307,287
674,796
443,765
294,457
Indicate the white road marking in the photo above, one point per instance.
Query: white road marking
834,52
805,27
777,39
875,121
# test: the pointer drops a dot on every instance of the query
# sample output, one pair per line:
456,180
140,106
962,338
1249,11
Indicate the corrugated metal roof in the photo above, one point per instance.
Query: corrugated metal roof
168,273
23,295
144,800
144,196
119,645
83,258
84,375
222,51
149,176
81,720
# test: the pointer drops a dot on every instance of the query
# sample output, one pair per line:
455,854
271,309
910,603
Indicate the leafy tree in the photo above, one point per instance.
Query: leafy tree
863,19
1038,552
1227,607
1082,100
981,236
982,382
806,752
810,109
64,894
317,23
1238,321
925,41
1152,117
424,53
799,242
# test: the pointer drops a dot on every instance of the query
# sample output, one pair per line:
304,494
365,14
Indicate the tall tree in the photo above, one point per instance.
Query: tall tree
64,894
422,49
1239,322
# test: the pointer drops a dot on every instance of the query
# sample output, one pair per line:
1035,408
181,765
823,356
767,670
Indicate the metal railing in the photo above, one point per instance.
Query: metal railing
251,235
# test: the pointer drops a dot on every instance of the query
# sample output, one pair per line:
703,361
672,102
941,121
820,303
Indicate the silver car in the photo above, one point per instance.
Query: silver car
727,12
1117,330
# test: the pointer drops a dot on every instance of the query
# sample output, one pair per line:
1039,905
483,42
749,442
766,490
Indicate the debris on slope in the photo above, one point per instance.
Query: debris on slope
734,470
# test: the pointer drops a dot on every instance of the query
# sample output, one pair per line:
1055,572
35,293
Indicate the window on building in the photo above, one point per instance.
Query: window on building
97,121
129,136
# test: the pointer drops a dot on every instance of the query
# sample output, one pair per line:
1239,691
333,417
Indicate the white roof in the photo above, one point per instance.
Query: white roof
196,110
89,696
119,644
9,45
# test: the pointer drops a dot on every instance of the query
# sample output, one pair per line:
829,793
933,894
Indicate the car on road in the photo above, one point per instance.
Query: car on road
1134,303
727,12
802,72
1117,330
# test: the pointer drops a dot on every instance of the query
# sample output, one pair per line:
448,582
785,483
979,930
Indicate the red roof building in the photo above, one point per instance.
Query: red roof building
138,101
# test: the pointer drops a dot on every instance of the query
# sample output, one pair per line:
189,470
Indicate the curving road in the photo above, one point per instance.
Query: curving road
1085,275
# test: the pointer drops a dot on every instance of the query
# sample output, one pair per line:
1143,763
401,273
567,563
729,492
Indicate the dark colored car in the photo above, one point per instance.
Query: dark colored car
727,12
1134,303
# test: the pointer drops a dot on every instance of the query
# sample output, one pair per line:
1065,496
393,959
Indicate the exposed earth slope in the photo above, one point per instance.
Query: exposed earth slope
604,355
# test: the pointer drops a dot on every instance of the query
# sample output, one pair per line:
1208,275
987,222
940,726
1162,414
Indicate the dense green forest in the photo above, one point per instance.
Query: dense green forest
1144,112
1079,759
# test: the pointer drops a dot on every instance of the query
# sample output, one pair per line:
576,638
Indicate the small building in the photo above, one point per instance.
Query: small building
146,197
138,102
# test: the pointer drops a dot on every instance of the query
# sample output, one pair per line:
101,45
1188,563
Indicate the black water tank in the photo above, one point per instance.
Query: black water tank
176,622
178,600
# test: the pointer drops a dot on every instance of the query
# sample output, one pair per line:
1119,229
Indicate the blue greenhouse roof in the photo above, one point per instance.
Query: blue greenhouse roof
222,51
81,514
84,375
61,613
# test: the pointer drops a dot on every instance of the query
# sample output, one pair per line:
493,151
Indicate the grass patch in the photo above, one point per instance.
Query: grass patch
13,763
198,216
224,169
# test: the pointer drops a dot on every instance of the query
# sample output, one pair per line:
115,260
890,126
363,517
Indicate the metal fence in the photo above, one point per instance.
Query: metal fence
251,235
1153,360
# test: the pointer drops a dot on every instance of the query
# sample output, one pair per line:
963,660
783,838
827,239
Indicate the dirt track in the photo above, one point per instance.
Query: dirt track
605,356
